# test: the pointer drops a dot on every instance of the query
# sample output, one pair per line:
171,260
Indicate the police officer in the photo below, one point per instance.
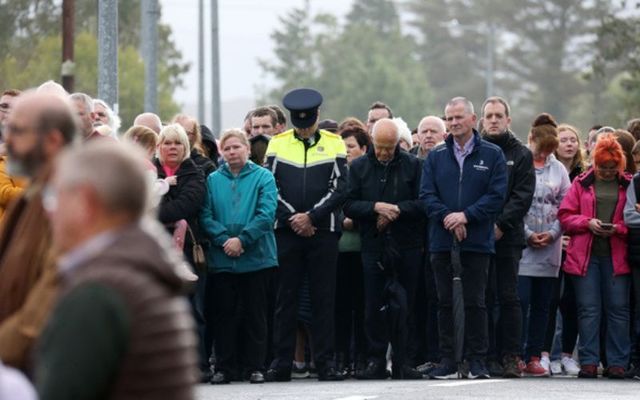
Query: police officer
309,166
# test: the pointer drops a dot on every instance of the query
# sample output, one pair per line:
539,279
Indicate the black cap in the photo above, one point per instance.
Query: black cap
303,106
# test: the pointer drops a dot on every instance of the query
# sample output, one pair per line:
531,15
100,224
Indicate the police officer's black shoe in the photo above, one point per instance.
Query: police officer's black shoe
374,370
330,374
277,375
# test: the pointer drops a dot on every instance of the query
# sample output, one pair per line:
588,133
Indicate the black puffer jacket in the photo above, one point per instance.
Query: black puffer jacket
185,199
397,183
520,188
206,165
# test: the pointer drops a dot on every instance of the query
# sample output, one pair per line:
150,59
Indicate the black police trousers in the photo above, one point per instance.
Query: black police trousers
317,255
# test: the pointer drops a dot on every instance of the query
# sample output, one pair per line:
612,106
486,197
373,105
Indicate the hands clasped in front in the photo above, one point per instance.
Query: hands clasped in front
455,223
387,213
233,247
302,225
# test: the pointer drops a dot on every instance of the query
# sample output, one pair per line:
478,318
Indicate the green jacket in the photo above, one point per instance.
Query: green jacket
242,206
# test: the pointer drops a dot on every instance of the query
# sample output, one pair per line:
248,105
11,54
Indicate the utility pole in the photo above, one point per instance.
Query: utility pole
68,66
150,14
215,71
108,53
201,61
491,45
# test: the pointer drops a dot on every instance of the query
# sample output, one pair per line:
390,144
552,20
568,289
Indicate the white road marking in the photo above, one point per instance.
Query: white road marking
357,398
471,382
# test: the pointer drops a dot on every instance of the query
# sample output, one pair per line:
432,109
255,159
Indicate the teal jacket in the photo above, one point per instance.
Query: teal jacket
242,206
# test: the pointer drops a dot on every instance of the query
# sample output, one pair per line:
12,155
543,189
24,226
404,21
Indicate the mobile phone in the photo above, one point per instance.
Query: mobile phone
606,226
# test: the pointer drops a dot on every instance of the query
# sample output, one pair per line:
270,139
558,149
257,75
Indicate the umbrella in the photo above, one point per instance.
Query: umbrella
458,304
395,304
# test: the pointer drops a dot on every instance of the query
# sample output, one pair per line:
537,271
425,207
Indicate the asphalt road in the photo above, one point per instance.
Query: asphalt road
494,389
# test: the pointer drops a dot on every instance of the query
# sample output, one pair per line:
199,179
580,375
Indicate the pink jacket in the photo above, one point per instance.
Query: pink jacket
576,210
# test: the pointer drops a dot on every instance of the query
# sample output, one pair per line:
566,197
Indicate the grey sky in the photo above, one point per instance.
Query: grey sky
245,26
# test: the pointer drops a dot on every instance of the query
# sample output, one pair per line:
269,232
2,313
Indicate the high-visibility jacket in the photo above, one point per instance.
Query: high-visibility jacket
311,177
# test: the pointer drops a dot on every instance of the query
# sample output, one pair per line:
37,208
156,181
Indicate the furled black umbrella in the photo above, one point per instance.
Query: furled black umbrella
458,304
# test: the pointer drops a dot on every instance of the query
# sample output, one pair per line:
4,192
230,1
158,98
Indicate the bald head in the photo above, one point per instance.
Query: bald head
150,120
385,139
38,128
387,129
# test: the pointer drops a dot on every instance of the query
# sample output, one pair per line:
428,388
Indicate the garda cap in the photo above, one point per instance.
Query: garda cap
303,106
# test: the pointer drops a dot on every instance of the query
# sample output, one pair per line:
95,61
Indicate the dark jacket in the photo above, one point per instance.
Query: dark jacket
184,200
311,177
520,188
206,165
397,183
478,190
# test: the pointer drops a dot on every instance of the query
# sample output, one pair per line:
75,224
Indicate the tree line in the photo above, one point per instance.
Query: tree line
575,59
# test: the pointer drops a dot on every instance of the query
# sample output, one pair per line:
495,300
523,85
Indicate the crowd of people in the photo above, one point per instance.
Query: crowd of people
359,249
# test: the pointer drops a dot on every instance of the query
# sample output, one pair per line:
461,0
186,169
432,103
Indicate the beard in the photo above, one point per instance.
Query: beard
27,164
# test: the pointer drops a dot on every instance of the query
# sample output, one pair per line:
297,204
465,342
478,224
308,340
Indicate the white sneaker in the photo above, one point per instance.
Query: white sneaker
556,367
570,366
545,363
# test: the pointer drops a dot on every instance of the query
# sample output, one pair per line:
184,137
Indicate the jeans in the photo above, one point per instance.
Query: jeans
475,270
535,295
597,289
505,328
376,329
635,325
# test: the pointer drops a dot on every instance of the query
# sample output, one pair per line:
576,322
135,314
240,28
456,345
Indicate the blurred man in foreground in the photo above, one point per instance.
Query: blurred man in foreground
121,328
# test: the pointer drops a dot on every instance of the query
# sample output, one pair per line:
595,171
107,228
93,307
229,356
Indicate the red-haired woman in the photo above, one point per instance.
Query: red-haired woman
592,213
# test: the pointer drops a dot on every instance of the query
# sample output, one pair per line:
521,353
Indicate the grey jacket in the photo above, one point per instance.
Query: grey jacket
552,184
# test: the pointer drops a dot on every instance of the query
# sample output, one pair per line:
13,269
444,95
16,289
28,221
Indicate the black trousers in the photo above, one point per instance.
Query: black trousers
503,304
563,298
197,299
251,290
316,255
475,269
408,268
349,313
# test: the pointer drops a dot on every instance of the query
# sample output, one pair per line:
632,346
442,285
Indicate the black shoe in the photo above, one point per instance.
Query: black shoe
342,365
329,374
495,368
206,376
634,373
277,375
374,370
220,378
405,372
360,367
256,377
